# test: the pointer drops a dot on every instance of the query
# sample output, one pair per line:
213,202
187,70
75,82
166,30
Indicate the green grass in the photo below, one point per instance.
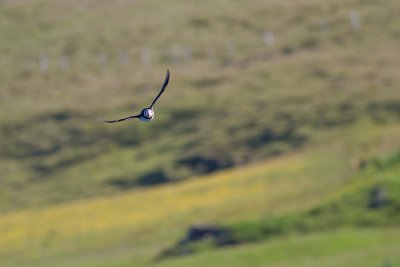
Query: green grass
262,103
156,217
354,205
300,193
269,133
367,247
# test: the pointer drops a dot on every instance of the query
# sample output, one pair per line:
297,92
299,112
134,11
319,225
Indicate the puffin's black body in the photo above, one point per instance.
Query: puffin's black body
147,114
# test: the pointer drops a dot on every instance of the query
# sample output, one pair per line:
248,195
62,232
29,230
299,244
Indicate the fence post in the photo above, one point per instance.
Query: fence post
103,58
231,50
210,53
323,25
355,21
145,56
63,62
187,54
175,54
123,57
43,64
269,39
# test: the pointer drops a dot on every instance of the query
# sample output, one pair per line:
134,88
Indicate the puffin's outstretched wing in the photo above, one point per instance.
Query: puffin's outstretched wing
162,89
124,119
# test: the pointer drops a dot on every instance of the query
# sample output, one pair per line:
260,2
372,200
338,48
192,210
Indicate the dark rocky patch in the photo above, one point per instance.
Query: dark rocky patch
219,236
378,198
153,178
201,164
149,179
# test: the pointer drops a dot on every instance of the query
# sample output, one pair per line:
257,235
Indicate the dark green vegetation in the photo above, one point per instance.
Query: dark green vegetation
370,199
337,248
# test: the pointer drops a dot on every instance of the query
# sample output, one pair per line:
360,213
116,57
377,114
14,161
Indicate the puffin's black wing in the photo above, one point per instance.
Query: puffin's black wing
162,89
124,119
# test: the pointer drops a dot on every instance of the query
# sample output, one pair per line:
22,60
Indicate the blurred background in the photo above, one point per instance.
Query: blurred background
275,144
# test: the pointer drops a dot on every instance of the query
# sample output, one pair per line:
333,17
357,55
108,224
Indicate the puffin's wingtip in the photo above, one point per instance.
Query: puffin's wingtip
101,120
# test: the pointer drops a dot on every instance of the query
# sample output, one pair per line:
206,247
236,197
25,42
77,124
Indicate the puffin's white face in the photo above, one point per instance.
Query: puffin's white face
148,113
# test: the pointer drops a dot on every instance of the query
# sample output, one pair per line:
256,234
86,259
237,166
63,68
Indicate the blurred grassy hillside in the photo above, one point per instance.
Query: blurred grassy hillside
307,203
280,121
250,80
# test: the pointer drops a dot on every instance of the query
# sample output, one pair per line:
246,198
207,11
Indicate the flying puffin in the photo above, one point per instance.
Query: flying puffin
147,114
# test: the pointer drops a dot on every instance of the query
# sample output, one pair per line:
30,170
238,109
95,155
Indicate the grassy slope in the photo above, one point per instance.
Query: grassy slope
311,81
136,226
316,99
144,216
367,247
